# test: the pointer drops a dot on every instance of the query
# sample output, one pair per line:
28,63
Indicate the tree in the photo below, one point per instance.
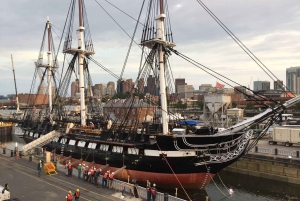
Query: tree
233,105
200,105
249,105
297,106
272,105
180,105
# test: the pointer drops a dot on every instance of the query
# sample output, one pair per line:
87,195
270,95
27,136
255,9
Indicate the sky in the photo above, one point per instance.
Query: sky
269,28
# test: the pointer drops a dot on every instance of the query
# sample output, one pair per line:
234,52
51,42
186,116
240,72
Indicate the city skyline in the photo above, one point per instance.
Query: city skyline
272,37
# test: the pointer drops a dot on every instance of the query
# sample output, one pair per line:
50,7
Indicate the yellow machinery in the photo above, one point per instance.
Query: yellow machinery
49,168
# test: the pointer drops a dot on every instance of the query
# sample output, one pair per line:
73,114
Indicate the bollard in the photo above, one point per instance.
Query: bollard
256,149
166,196
11,153
4,150
276,151
297,154
30,158
20,154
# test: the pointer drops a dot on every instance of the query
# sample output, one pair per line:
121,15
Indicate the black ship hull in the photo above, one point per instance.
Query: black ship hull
167,160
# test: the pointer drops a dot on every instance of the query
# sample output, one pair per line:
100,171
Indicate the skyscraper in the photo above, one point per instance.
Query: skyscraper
179,81
293,79
278,85
266,85
110,89
151,85
74,88
127,86
257,85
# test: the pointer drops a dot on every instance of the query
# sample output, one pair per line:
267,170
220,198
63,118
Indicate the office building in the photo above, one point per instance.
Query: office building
278,85
74,88
293,79
179,81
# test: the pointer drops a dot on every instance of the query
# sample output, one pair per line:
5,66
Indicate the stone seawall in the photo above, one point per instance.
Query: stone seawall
276,168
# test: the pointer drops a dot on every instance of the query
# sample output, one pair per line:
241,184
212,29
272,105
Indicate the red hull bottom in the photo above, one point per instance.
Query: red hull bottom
163,180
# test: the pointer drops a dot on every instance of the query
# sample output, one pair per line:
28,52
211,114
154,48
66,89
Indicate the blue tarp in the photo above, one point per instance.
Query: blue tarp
189,122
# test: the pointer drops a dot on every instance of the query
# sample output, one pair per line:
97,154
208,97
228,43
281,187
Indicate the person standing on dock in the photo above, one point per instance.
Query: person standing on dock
39,168
69,197
77,195
79,171
89,174
153,192
104,179
97,174
148,188
69,169
111,179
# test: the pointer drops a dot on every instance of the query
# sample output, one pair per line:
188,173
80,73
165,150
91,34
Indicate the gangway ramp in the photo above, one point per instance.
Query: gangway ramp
43,140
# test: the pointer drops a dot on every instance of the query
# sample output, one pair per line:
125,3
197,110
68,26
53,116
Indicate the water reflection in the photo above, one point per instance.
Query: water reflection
244,187
9,141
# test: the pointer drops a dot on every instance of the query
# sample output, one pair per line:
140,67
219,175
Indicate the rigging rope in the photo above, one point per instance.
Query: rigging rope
129,48
201,66
242,46
173,172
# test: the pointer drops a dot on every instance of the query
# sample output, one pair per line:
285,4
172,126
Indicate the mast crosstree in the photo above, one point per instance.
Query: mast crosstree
85,49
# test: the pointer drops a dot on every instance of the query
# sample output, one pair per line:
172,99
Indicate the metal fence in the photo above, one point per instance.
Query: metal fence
142,192
275,151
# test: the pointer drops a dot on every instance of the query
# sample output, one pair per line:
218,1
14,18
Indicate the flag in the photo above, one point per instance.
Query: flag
220,86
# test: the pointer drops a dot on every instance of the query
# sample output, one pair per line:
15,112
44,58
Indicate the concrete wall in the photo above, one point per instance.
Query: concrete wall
267,169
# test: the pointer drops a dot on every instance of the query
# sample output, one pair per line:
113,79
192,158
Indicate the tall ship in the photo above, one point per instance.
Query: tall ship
138,133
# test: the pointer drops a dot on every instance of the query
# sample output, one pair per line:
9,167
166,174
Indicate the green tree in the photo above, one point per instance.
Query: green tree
200,105
297,106
272,105
249,105
233,105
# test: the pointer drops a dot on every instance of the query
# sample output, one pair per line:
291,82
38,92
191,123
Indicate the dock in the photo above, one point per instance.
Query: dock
21,175
275,162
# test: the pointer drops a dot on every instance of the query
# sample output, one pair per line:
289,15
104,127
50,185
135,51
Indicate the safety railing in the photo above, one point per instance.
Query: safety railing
276,151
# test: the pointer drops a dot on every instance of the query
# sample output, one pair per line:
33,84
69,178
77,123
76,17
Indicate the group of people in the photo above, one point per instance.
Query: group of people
76,195
91,175
151,192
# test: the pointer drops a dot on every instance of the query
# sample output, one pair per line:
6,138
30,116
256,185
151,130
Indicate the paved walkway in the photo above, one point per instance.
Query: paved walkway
24,183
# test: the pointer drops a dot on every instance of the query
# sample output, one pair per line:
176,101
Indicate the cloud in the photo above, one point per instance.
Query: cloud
268,28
